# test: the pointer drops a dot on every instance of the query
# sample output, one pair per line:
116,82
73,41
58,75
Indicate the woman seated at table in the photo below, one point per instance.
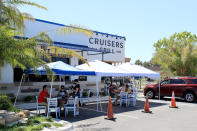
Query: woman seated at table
63,96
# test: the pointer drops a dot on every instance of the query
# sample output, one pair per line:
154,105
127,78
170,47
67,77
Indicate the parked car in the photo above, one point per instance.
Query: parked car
185,87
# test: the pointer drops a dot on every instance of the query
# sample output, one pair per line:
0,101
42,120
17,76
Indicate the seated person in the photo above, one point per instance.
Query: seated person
62,93
112,91
42,99
126,89
64,96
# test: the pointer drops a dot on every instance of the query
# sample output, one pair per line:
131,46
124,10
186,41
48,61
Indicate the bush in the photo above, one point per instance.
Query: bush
28,98
91,94
85,94
13,99
103,93
5,102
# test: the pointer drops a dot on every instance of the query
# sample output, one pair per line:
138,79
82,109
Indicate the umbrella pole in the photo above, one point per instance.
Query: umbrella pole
19,88
51,86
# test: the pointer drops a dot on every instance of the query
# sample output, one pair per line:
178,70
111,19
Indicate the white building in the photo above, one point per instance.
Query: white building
91,47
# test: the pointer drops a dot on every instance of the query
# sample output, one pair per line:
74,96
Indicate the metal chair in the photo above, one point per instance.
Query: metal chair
72,107
52,106
38,107
82,98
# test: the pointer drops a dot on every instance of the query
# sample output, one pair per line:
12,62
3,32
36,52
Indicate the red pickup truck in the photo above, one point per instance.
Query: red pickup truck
185,87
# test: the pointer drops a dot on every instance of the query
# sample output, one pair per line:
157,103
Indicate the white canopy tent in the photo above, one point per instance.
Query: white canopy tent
103,69
59,68
139,71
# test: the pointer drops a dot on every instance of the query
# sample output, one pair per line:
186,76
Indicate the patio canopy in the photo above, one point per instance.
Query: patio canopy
139,71
103,69
60,68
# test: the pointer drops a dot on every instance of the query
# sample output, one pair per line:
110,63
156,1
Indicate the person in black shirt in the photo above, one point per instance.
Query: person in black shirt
76,89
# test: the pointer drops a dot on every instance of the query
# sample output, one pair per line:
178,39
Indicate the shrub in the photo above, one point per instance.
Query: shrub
28,98
5,102
91,94
85,94
13,99
103,93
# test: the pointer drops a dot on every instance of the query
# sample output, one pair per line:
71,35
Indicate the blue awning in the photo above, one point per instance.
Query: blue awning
60,68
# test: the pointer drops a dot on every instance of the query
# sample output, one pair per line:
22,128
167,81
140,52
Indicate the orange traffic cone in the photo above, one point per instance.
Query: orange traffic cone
110,115
146,107
173,102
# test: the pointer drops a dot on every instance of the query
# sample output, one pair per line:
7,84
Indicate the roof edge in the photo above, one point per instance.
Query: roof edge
54,23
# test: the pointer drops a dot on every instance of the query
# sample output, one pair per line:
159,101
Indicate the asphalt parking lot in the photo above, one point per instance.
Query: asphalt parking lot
162,118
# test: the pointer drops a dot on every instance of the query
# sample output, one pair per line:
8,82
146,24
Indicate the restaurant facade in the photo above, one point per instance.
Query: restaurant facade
97,46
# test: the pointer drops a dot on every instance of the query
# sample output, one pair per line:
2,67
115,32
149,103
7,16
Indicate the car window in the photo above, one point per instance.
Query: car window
177,81
194,81
165,82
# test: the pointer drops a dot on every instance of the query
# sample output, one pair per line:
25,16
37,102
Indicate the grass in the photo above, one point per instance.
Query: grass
58,125
34,123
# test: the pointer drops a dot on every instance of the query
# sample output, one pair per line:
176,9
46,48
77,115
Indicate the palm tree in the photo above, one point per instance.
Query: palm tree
11,16
25,52
21,52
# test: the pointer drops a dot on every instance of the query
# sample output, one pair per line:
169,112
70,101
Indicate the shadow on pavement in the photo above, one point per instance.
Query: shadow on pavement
89,111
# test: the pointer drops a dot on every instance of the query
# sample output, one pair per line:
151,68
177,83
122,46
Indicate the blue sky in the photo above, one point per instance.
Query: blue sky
142,22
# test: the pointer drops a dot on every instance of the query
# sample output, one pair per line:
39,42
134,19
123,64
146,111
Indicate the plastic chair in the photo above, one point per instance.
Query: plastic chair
82,98
71,107
124,98
38,107
52,106
132,97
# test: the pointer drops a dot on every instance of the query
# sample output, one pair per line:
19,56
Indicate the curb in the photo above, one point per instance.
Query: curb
67,126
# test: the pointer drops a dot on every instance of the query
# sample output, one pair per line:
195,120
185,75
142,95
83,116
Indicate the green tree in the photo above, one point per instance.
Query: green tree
20,52
177,54
138,62
26,52
11,16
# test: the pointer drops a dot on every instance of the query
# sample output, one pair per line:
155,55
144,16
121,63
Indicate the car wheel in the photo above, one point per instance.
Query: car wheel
150,94
189,97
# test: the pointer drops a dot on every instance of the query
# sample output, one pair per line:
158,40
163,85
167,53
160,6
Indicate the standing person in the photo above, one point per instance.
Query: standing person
42,99
76,92
76,88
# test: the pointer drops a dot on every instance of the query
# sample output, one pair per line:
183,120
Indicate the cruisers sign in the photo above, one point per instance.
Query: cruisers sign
110,43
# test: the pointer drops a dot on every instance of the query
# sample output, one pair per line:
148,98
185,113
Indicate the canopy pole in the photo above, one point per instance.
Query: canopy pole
59,82
51,86
98,96
134,92
159,89
19,88
97,92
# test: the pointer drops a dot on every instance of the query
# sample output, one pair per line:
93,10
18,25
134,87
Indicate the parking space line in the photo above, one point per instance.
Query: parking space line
134,117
